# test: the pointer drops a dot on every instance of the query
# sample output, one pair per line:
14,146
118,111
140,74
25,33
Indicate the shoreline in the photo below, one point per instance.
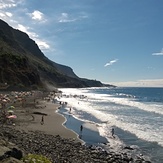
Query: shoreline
92,138
52,138
89,134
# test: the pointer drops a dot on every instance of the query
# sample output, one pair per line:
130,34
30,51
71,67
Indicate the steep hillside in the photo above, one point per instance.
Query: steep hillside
22,64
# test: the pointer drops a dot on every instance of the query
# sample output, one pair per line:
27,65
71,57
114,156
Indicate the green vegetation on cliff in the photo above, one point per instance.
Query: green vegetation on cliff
22,64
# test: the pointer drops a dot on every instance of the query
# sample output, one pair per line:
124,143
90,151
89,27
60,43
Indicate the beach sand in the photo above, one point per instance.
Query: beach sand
29,118
54,141
52,121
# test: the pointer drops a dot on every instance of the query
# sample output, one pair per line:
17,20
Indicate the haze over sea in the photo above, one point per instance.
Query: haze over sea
136,114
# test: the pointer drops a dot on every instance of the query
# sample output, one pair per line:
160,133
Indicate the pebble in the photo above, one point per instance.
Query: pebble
61,150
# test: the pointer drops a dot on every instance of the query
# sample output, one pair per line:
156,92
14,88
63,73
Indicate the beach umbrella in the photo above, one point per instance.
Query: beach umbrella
11,116
11,107
4,100
10,111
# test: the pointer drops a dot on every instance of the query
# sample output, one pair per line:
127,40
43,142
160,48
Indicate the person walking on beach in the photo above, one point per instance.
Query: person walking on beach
42,120
81,128
112,132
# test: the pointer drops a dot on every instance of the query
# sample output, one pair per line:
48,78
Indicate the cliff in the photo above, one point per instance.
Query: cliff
23,65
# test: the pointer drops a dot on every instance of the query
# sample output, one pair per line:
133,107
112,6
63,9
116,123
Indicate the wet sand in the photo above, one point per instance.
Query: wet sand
89,134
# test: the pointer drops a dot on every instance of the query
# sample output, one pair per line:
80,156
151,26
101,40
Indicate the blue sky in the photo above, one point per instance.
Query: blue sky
115,41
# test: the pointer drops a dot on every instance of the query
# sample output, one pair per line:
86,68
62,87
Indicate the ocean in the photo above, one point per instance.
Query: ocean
135,114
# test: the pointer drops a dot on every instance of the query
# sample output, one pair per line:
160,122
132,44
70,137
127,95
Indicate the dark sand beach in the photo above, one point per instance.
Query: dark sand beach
52,121
39,129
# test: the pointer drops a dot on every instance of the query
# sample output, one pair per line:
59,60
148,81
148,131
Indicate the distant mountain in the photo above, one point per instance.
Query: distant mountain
23,65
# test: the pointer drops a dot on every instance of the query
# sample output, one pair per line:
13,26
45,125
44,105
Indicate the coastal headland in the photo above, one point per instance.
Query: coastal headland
37,128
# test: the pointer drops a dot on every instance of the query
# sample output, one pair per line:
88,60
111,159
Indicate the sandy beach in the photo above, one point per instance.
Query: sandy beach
52,121
39,129
31,110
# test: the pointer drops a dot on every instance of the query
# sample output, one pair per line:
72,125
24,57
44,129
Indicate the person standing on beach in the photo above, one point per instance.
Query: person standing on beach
112,132
42,120
81,128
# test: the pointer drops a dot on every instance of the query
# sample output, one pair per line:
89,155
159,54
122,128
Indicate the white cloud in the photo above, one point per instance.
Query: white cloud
23,28
160,53
5,15
9,14
110,62
37,15
2,15
64,18
7,4
42,44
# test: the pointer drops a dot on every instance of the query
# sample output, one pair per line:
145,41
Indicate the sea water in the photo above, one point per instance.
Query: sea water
136,114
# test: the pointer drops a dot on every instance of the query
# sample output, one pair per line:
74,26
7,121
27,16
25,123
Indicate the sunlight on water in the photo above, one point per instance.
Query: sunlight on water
133,124
144,119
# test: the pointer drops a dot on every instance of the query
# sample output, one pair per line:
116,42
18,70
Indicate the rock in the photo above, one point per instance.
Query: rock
57,148
128,147
16,153
11,160
3,149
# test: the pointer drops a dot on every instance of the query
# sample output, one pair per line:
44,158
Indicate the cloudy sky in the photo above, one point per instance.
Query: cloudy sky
115,41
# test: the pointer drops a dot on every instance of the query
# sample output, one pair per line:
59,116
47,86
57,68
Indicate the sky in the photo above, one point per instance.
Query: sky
117,42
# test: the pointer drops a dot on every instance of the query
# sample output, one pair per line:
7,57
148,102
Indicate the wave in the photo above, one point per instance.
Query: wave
149,107
141,119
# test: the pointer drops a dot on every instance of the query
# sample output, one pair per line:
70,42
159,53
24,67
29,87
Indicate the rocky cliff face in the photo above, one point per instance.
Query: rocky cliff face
22,64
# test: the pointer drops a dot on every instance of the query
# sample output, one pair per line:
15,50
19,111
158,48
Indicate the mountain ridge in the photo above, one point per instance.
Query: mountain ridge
23,64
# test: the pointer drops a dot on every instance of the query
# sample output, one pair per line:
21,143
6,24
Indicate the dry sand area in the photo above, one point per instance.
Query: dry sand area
30,113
